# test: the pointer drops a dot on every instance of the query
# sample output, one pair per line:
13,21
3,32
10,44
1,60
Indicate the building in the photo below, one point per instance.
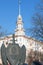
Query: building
22,39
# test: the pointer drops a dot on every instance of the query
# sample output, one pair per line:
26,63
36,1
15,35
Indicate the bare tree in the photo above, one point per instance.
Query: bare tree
37,30
37,23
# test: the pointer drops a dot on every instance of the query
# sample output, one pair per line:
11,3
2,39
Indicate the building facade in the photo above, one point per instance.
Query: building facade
22,39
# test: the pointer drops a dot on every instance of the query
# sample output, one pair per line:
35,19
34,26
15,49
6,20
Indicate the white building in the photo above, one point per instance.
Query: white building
22,38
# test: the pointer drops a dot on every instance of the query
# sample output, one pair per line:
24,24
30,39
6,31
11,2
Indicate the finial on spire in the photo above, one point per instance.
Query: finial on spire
19,6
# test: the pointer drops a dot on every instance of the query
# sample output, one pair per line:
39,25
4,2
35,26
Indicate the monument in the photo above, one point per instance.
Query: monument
13,54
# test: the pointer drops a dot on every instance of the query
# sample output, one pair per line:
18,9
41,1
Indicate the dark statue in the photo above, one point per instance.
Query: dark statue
13,54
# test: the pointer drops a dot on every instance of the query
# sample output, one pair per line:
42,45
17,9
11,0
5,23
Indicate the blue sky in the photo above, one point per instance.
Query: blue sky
9,13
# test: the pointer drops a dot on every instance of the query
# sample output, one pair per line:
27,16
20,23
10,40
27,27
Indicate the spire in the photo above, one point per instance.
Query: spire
19,11
19,6
19,28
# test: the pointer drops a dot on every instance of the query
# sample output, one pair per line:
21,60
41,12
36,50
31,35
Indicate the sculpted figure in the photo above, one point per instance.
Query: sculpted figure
3,55
13,54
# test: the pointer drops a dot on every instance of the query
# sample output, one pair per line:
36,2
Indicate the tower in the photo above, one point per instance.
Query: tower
19,25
